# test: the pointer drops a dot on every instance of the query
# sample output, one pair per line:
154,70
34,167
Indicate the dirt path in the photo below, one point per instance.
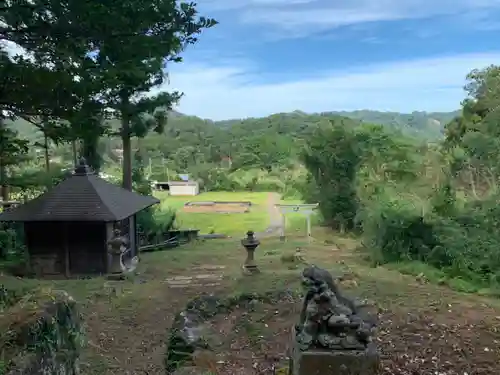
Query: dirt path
274,227
128,337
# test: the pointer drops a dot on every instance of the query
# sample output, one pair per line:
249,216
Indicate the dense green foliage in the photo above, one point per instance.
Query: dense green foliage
423,203
66,67
72,67
424,124
419,188
252,154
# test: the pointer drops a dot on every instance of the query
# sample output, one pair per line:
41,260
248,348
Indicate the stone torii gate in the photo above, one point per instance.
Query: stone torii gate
305,209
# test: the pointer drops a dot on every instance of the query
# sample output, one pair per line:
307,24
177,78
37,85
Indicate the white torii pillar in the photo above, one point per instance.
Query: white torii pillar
305,209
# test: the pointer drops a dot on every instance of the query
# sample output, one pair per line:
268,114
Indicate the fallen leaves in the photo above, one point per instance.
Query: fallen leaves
437,341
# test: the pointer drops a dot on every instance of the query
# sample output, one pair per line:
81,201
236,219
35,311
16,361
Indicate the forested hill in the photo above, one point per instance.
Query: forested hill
424,124
429,124
208,149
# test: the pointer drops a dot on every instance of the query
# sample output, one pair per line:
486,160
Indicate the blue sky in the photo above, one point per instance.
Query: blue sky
269,56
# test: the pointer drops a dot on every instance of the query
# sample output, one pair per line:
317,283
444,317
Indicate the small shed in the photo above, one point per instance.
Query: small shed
179,188
187,188
67,228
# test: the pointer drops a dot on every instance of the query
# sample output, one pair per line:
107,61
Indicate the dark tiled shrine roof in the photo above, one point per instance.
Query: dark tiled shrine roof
81,197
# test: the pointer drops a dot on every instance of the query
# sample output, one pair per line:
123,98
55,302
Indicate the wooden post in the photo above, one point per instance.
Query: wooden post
109,235
283,224
308,218
132,236
66,250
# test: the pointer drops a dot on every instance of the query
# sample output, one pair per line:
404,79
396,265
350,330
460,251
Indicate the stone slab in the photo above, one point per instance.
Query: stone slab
209,277
191,285
179,282
208,267
183,280
195,276
180,278
334,362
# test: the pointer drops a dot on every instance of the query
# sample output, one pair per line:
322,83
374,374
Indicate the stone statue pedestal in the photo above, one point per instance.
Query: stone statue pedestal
114,265
115,271
333,362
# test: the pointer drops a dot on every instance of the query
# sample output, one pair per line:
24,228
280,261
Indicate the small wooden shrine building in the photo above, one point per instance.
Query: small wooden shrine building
67,228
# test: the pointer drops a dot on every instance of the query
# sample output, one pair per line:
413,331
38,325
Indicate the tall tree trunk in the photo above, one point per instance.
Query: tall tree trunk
91,153
73,151
127,153
125,133
3,181
46,149
3,167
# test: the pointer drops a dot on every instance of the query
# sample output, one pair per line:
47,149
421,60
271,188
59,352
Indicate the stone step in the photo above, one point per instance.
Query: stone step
189,280
201,276
208,267
193,285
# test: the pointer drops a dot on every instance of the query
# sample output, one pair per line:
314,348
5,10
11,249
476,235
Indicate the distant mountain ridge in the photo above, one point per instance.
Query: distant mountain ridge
431,123
426,124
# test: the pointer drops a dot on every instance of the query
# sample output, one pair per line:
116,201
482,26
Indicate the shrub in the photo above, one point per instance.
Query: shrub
42,331
13,255
465,243
153,223
395,230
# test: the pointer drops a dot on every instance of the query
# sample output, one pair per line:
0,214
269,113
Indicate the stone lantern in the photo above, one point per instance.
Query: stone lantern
116,247
250,243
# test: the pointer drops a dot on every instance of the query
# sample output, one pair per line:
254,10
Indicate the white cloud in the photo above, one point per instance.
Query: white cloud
222,92
242,4
317,15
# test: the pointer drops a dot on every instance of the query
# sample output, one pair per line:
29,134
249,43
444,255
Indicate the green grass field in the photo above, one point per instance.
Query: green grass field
231,224
258,219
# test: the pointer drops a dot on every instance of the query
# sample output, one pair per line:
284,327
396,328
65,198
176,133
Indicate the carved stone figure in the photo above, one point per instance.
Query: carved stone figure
328,319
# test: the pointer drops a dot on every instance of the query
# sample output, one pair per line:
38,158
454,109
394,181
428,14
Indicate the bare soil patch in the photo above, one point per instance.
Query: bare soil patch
439,340
257,341
128,329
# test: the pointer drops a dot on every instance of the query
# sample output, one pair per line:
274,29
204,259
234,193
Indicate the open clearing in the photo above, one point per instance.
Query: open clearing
424,329
261,216
257,219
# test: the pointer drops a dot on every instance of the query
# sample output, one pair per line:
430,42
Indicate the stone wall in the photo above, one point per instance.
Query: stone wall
40,333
